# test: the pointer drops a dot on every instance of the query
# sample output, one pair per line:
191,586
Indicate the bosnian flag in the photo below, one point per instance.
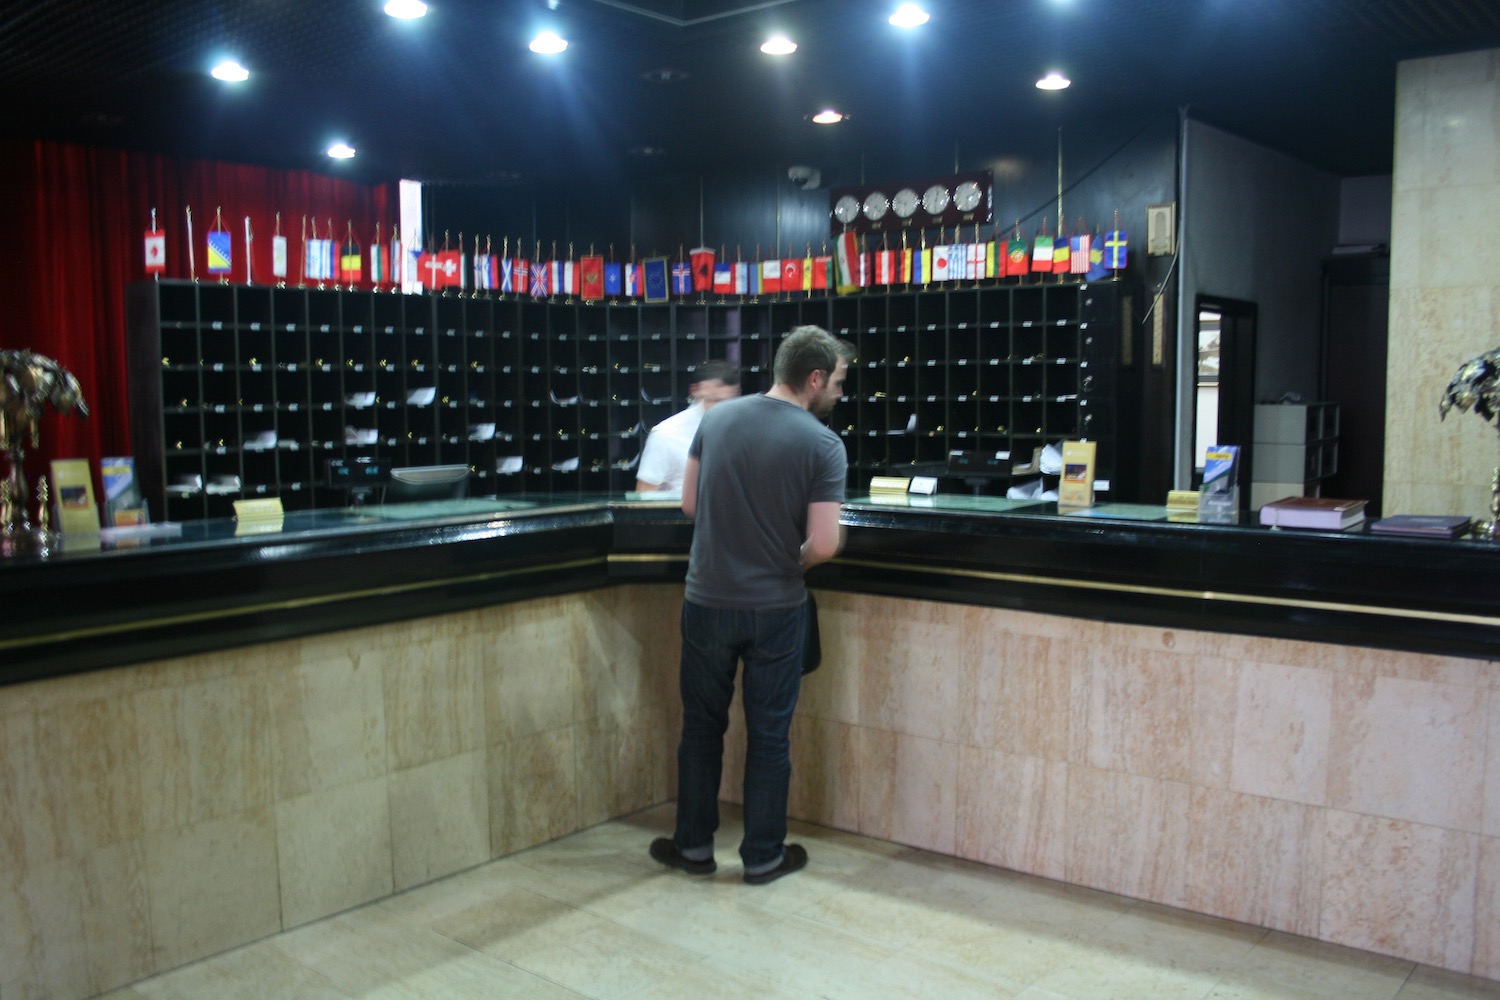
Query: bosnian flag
219,252
156,251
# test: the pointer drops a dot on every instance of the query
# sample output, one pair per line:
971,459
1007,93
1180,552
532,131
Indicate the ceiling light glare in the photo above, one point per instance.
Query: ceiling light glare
341,151
230,72
548,43
909,15
778,45
828,116
1054,81
406,9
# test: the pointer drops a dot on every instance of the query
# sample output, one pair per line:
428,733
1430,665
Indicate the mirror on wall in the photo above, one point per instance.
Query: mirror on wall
1206,422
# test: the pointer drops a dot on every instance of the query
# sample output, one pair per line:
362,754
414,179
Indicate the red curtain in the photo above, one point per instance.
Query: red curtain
81,215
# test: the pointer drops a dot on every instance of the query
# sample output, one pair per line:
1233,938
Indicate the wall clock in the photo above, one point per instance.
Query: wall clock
905,202
935,199
846,209
919,203
876,206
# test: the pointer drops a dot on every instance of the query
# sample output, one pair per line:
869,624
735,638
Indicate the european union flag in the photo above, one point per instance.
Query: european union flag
655,279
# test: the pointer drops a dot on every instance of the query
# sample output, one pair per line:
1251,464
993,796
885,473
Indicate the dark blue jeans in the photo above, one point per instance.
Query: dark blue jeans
714,641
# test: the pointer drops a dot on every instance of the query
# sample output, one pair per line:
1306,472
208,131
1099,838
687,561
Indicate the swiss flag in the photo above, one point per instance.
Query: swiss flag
156,251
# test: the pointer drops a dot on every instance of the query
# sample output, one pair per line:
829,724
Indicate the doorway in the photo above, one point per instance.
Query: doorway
1224,380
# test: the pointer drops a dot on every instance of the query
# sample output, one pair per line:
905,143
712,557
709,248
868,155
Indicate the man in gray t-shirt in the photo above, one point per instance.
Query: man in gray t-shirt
764,482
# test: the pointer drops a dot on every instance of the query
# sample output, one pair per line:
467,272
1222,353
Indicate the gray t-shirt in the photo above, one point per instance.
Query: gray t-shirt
762,461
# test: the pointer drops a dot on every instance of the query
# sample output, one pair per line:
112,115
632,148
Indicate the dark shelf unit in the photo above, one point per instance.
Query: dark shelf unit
245,391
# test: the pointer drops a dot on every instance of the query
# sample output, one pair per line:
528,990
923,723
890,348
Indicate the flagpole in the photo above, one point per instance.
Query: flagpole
192,267
248,259
156,275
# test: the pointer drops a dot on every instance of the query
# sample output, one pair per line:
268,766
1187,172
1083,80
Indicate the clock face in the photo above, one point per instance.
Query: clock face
935,200
967,196
875,206
904,203
846,209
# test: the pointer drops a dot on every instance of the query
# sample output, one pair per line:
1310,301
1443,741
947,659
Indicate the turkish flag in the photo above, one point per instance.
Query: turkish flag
791,274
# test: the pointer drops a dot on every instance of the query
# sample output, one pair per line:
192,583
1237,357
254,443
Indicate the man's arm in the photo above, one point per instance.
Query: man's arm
642,486
825,535
690,488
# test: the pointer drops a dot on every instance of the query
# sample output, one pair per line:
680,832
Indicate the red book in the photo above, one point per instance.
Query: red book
1325,513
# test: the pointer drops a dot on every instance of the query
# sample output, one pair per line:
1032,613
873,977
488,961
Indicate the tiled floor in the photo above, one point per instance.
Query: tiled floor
591,915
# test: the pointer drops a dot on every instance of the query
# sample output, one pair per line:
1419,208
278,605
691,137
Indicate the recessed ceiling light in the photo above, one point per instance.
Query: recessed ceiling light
405,9
341,151
1053,81
230,72
548,43
828,116
778,45
909,15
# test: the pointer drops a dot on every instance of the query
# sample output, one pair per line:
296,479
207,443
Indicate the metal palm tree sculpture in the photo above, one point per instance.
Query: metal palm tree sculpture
28,382
1476,386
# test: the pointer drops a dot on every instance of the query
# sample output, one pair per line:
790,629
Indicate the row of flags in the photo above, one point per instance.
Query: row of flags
849,268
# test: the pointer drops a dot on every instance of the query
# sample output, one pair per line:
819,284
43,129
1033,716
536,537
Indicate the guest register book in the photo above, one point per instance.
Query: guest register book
1325,513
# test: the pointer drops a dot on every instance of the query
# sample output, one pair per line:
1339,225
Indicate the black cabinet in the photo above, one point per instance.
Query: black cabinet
244,391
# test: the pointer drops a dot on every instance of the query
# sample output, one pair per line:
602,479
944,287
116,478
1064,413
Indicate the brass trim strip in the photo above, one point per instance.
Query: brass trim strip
1205,595
286,605
1128,588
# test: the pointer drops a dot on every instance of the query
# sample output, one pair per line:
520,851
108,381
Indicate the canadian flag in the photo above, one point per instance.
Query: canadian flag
156,251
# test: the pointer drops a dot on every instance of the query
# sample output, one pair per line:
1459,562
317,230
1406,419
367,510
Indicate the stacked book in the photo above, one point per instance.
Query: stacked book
1423,525
1322,513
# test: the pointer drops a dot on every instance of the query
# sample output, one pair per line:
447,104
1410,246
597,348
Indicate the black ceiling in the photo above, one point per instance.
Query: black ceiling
656,84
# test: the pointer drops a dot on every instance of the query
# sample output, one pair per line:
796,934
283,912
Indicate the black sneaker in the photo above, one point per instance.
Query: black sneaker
663,849
793,859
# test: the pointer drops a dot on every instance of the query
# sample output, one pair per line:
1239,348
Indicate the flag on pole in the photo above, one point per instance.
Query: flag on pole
791,274
885,267
1097,270
632,281
703,268
591,277
541,277
822,277
1062,255
378,268
655,278
350,262
1017,261
220,254
1079,254
1041,254
846,255
156,250
614,279
278,257
682,278
940,263
520,273
770,276
724,278
1116,249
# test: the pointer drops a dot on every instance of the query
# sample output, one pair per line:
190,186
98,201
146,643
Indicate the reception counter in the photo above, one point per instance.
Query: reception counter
217,734
216,584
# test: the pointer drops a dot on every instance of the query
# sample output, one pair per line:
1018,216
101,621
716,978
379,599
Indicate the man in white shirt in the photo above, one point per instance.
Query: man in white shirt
665,455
